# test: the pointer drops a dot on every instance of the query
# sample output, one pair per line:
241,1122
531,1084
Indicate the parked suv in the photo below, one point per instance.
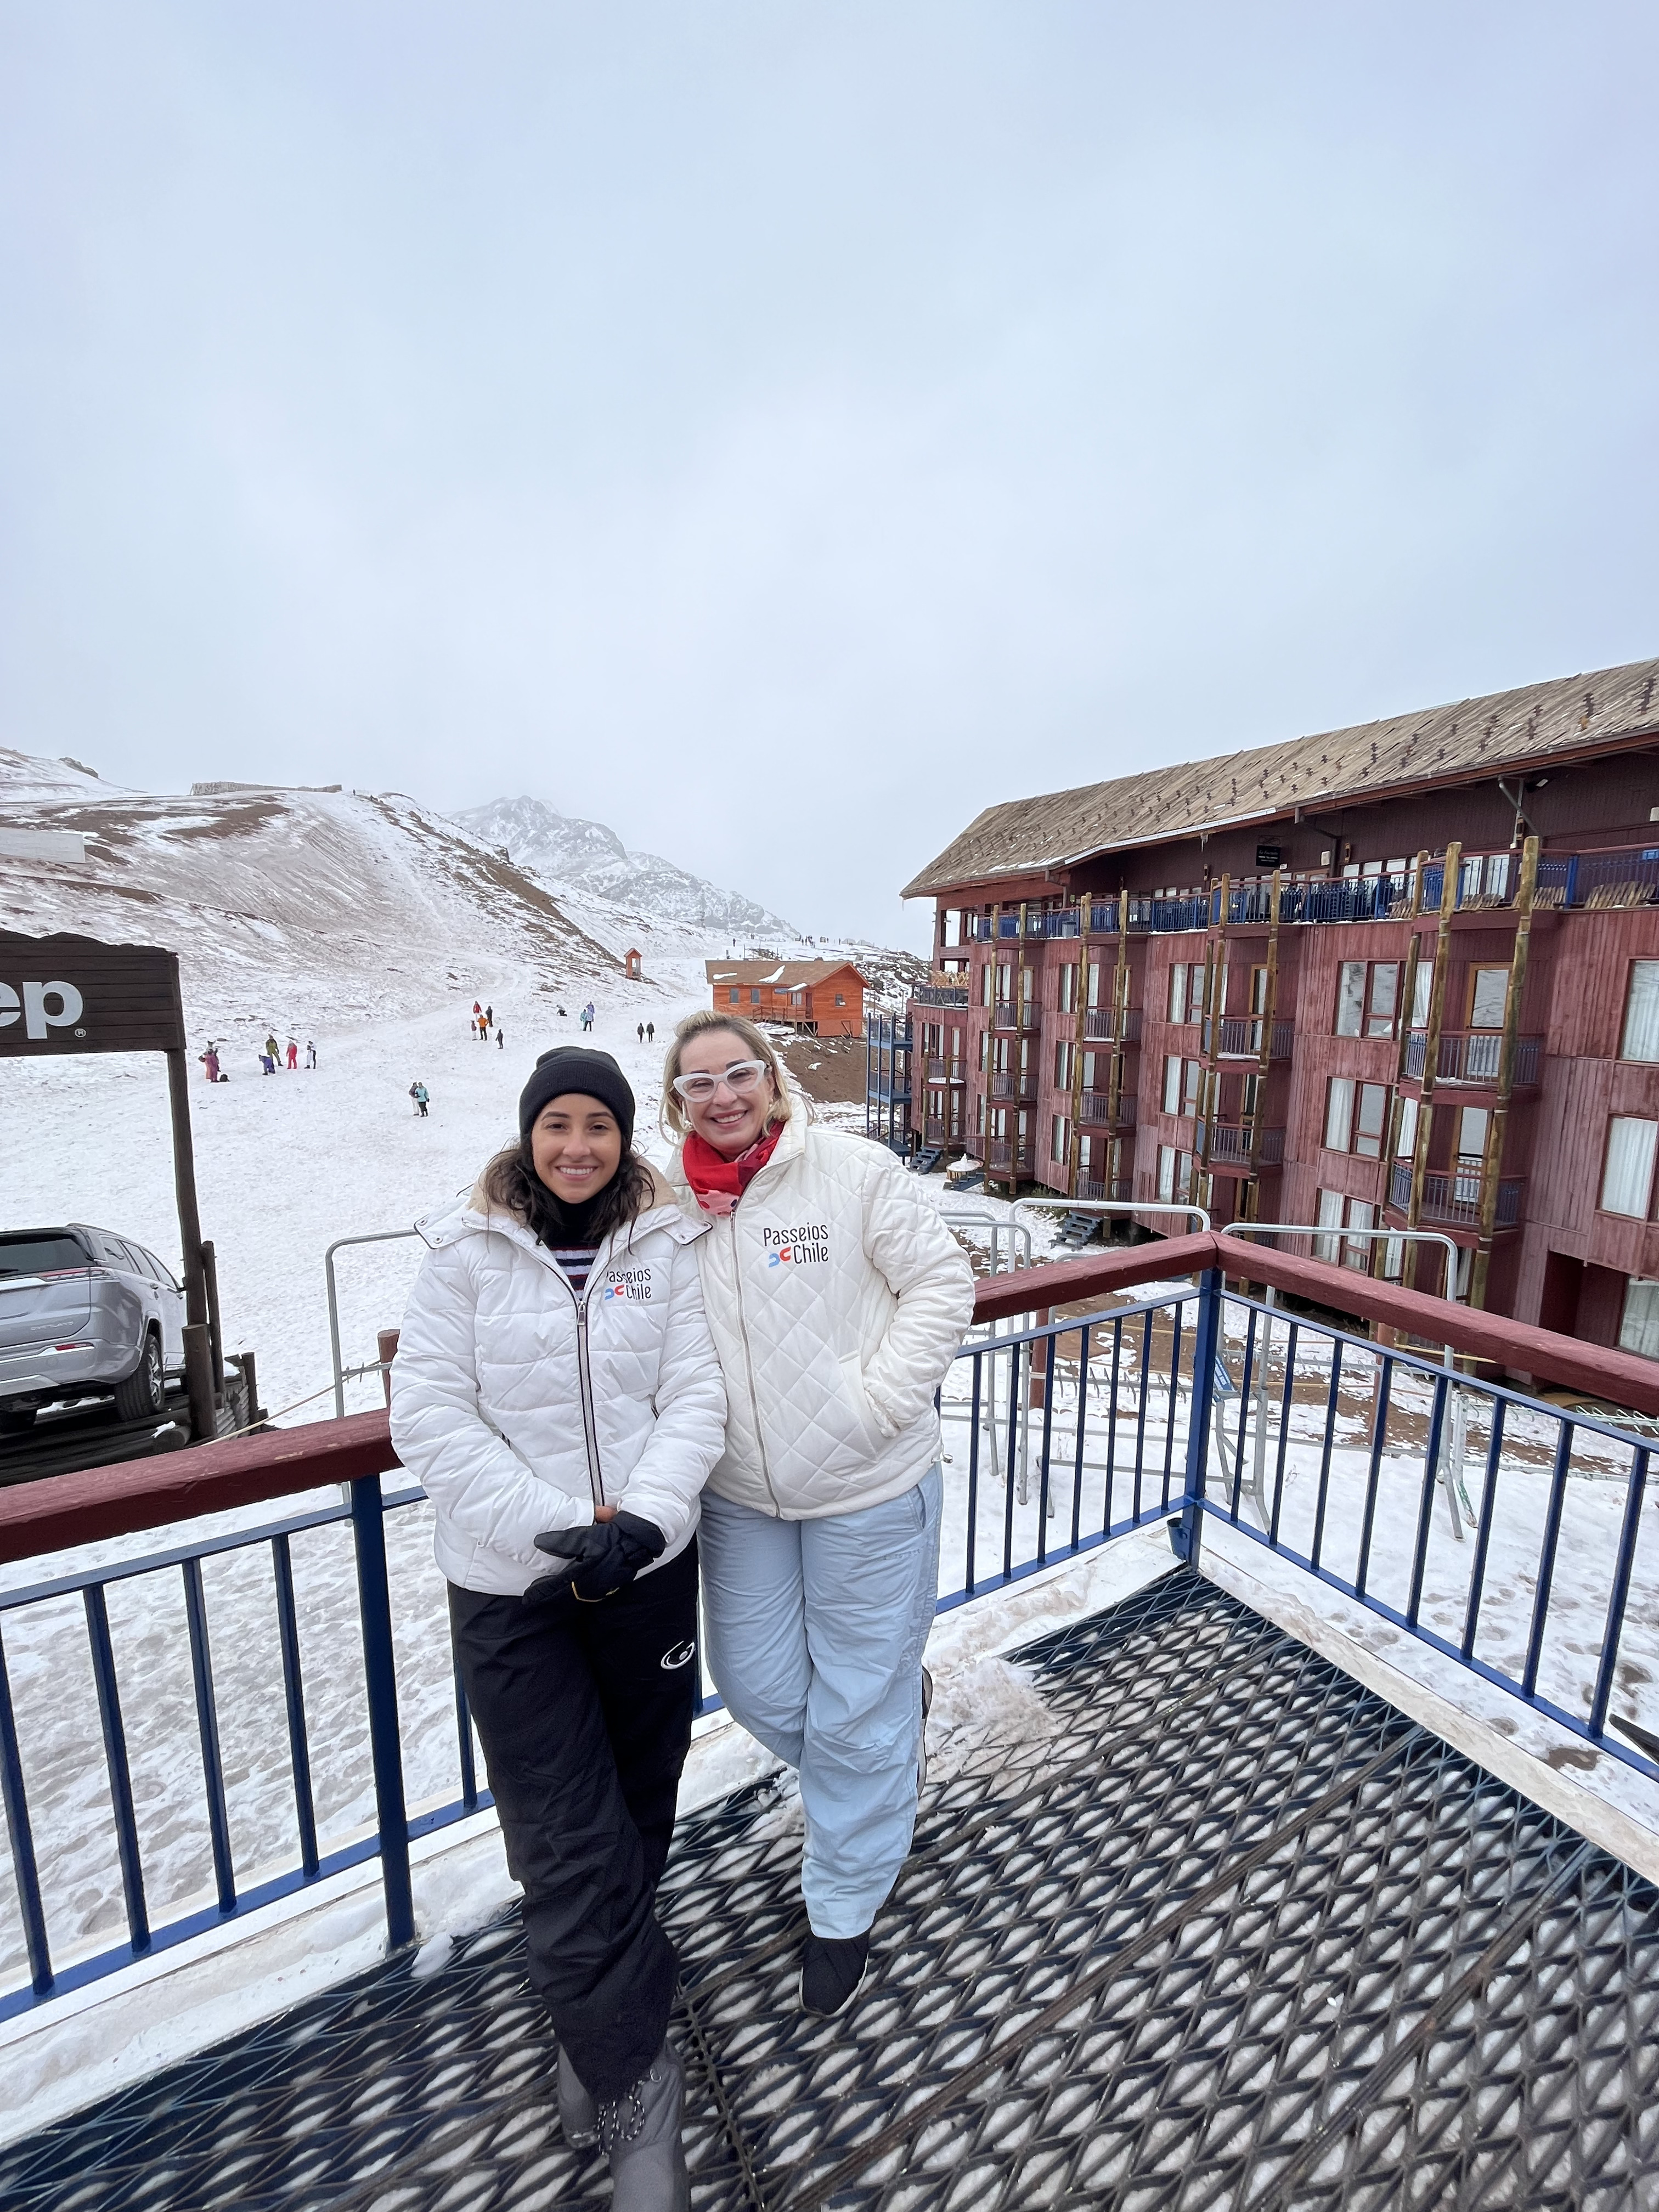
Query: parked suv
85,1313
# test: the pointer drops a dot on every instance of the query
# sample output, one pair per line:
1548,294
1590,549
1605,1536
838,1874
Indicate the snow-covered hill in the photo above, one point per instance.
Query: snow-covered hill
587,858
290,906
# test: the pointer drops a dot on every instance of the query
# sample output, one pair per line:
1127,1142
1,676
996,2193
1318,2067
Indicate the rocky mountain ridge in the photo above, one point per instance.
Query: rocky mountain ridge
570,853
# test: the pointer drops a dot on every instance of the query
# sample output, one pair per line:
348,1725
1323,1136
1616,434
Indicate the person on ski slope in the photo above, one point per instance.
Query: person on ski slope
421,1094
556,1392
311,1055
490,1016
501,1040
837,1299
651,1032
274,1049
639,1031
210,1061
293,1055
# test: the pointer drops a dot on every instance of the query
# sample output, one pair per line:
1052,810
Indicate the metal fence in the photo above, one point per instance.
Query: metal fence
1507,1532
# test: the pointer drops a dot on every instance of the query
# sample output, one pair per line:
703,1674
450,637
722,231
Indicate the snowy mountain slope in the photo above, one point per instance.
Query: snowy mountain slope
587,857
289,907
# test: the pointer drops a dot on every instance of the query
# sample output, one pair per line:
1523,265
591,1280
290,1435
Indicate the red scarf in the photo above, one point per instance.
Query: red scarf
719,1183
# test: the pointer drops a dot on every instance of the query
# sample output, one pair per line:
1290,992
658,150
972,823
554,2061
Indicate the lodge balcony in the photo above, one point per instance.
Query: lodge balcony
943,1068
1473,1057
1241,1037
1239,1144
1018,1084
1299,1861
1097,1109
1118,1190
1104,1025
1016,1014
1453,1199
1011,1156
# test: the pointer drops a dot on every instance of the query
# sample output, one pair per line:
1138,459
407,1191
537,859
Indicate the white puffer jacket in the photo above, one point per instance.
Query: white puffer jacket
521,1407
838,1299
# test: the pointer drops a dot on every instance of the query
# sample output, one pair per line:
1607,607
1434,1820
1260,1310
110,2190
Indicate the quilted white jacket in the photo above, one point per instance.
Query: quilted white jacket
838,1299
521,1407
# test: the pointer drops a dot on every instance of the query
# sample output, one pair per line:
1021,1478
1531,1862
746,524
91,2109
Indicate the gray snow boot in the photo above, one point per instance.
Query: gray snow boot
579,2116
640,2133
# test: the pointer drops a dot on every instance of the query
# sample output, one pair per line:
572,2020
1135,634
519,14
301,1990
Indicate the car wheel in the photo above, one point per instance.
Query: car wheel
17,1420
145,1392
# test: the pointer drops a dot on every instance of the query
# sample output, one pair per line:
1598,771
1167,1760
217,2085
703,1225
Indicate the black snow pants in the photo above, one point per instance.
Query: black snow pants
585,1713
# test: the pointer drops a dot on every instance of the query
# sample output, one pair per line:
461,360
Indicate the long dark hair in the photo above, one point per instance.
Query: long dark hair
511,1182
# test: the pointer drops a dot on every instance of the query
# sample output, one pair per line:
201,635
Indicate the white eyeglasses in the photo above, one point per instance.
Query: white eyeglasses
742,1075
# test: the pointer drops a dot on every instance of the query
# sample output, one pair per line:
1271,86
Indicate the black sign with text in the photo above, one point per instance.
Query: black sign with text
65,994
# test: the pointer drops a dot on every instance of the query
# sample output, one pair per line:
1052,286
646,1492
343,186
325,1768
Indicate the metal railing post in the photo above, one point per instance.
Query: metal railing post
381,1687
1187,1535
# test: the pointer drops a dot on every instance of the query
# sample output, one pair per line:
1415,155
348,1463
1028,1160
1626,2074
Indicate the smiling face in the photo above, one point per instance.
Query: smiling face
576,1146
731,1120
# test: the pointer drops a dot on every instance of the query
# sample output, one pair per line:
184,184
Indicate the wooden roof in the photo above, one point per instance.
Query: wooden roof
1472,740
782,974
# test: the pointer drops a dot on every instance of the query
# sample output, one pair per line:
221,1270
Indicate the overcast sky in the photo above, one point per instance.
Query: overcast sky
779,431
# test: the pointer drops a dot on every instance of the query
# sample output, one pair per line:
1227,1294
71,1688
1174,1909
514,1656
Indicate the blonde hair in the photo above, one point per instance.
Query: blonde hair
703,1023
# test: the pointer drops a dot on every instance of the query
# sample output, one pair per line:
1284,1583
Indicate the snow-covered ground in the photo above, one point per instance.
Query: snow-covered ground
370,927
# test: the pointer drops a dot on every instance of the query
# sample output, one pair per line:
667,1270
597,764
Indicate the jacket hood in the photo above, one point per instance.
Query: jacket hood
476,1214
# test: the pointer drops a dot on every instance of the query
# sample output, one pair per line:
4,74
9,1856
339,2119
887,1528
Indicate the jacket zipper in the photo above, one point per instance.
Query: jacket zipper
584,1380
748,1357
595,1473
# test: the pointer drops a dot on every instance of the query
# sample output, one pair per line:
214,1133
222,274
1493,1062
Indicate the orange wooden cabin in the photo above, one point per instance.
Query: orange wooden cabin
823,997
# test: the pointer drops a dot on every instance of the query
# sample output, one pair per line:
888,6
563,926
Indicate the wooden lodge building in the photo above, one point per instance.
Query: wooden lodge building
824,997
1405,975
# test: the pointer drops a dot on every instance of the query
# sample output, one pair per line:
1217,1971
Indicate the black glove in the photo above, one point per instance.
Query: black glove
601,1558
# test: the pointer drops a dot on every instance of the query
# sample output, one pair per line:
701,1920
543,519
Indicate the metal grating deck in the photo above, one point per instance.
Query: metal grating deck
1238,1936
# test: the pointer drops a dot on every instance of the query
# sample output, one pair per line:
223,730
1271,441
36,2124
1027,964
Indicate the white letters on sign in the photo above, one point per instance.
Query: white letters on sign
38,1016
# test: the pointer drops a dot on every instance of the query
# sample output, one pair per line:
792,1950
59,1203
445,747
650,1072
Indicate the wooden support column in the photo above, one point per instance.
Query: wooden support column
1080,1029
1491,1162
1119,1023
1431,1060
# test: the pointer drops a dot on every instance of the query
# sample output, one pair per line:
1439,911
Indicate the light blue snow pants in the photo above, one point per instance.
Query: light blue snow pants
815,1632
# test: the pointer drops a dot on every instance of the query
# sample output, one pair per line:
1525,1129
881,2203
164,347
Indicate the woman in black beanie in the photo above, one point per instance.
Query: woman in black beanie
557,1391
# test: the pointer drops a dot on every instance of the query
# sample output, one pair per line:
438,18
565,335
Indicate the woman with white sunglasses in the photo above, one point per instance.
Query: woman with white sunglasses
837,1299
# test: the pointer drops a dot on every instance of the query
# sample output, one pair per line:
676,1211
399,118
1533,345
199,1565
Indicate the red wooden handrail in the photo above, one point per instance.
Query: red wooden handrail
62,1509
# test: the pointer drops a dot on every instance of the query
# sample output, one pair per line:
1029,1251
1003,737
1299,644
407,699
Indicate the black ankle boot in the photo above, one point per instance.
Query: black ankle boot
831,1971
640,2134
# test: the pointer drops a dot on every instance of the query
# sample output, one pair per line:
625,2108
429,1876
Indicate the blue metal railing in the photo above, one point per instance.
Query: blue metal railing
1352,1462
1565,879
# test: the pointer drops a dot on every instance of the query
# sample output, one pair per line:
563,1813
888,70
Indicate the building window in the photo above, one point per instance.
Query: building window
1627,1178
1166,1173
1638,1332
1405,1145
1067,998
1356,1116
1060,1139
1187,990
1329,1216
1370,1121
1181,1081
1367,998
754,997
841,998
1065,1055
1356,1250
734,996
1641,1038
1489,996
1422,991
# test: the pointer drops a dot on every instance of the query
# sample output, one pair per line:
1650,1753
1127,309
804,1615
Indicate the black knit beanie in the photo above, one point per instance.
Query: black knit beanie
571,1068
